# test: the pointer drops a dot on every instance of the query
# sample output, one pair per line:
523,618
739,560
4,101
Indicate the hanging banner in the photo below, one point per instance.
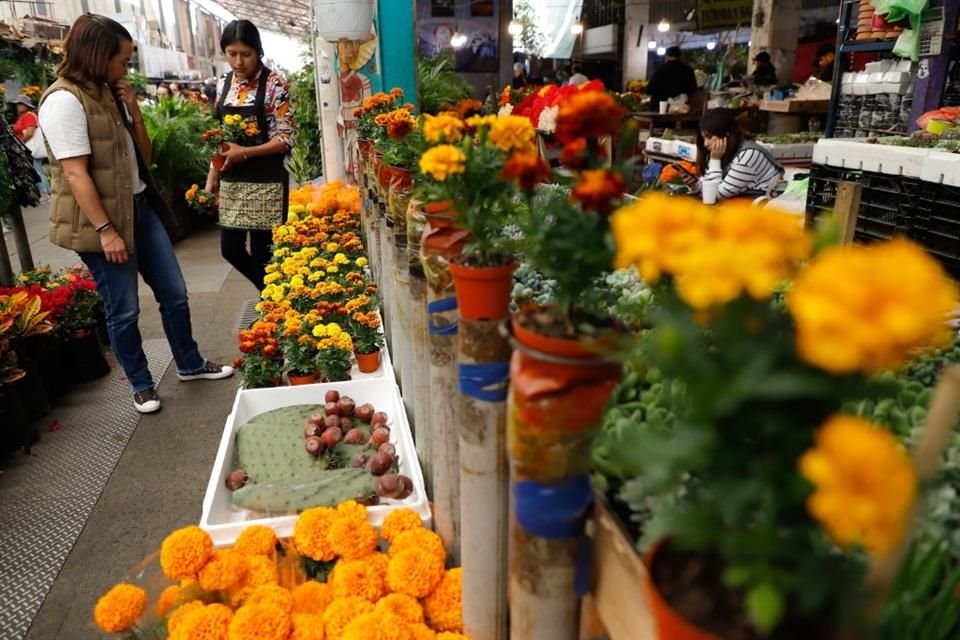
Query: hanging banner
724,13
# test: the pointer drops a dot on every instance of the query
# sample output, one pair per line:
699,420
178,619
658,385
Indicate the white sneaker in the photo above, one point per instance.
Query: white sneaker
210,371
147,401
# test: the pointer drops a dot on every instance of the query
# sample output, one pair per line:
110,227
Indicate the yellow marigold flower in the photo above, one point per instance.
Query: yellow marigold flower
180,614
357,578
443,128
310,534
864,483
260,570
418,538
272,595
342,612
341,258
211,622
451,635
401,605
225,570
422,632
272,277
373,626
332,268
444,607
312,597
334,329
167,599
442,161
119,608
260,622
414,572
512,132
362,262
256,540
869,308
319,331
332,247
399,520
352,539
185,552
307,626
475,122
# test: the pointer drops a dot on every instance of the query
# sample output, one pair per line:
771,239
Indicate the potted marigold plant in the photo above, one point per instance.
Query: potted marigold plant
364,327
234,128
299,347
462,172
397,145
200,200
770,504
334,352
261,364
367,129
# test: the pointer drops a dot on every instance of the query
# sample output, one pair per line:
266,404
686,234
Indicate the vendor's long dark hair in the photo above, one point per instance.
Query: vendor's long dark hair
723,124
244,32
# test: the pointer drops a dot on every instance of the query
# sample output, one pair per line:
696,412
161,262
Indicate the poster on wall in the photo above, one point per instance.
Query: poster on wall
478,55
724,13
360,74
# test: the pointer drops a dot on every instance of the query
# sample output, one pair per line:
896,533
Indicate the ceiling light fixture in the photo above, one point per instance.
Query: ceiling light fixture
458,40
664,26
661,51
515,28
652,45
711,45
576,28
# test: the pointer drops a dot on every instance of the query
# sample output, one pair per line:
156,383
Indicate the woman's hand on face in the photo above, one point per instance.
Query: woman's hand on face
235,154
718,147
126,95
114,248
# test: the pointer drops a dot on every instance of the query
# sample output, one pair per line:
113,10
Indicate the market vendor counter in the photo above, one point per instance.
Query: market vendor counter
798,155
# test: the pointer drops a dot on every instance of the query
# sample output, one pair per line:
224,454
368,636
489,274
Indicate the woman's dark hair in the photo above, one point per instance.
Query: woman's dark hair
244,32
721,123
90,43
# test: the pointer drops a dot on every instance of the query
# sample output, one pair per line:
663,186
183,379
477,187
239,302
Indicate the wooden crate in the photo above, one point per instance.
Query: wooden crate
795,106
618,579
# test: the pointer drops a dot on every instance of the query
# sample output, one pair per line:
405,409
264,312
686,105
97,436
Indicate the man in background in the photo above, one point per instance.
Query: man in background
674,78
577,78
765,73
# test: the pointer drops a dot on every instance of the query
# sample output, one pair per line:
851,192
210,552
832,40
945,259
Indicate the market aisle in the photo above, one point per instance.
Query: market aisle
159,481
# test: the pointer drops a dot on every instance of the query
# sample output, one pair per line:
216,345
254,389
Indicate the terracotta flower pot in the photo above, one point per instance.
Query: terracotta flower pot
217,160
395,177
670,625
366,149
368,362
297,379
483,293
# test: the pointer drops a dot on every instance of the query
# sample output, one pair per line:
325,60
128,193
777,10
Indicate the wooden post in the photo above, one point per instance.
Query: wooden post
398,200
420,335
846,208
542,596
386,282
484,477
24,256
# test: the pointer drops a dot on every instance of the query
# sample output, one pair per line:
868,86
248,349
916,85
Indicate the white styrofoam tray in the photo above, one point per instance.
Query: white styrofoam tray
860,156
942,167
661,146
224,521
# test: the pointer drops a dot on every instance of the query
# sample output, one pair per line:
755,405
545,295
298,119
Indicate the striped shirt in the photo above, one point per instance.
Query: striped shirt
749,173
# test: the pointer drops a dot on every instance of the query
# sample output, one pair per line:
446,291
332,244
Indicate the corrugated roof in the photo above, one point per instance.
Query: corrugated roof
289,17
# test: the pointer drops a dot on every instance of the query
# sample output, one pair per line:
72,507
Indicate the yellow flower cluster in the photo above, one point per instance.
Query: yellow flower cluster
870,308
232,119
716,255
513,133
443,161
864,482
442,128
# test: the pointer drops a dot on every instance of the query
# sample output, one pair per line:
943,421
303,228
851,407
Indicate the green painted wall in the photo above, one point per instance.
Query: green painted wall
396,26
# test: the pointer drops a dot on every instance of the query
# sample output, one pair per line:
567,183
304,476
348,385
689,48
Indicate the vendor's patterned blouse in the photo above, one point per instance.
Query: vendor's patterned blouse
243,93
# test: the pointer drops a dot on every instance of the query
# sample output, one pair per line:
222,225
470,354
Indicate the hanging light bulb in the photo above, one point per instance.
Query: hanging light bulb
576,28
711,45
661,51
664,26
458,40
515,28
652,45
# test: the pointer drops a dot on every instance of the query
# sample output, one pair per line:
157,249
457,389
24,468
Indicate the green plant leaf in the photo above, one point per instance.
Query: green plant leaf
765,607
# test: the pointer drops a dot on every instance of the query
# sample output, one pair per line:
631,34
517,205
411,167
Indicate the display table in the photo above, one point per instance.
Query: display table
795,106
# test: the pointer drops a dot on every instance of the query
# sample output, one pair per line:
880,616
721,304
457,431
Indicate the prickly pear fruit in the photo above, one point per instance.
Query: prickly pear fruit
388,449
331,409
236,479
312,429
270,446
379,436
316,418
365,412
329,489
379,464
331,437
314,445
345,424
355,436
331,396
331,421
359,461
346,406
395,486
379,419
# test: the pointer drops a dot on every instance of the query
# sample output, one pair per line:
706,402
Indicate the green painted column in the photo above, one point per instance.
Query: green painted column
396,26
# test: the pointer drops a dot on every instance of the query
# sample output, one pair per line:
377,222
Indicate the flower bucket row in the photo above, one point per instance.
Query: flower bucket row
330,580
318,312
49,326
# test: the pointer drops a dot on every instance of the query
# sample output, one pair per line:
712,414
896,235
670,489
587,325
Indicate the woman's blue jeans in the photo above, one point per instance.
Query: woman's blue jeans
154,259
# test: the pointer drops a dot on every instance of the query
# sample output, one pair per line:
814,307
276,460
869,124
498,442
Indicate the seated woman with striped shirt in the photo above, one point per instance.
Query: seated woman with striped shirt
728,155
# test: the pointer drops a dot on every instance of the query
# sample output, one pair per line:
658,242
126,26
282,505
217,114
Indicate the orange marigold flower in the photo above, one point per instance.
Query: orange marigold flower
351,536
422,632
414,572
357,578
260,570
307,626
272,595
444,607
527,168
398,521
260,622
396,92
451,635
167,599
225,570
418,538
310,534
118,609
211,622
180,614
588,114
401,605
373,626
597,189
312,597
342,612
185,552
574,153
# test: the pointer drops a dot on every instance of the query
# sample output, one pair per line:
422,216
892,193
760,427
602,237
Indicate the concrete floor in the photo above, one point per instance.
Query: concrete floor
159,482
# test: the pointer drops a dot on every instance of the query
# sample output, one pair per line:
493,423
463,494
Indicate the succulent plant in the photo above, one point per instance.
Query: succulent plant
328,489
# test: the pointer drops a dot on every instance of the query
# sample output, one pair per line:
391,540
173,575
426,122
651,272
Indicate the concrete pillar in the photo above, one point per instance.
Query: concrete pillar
775,29
328,106
638,31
